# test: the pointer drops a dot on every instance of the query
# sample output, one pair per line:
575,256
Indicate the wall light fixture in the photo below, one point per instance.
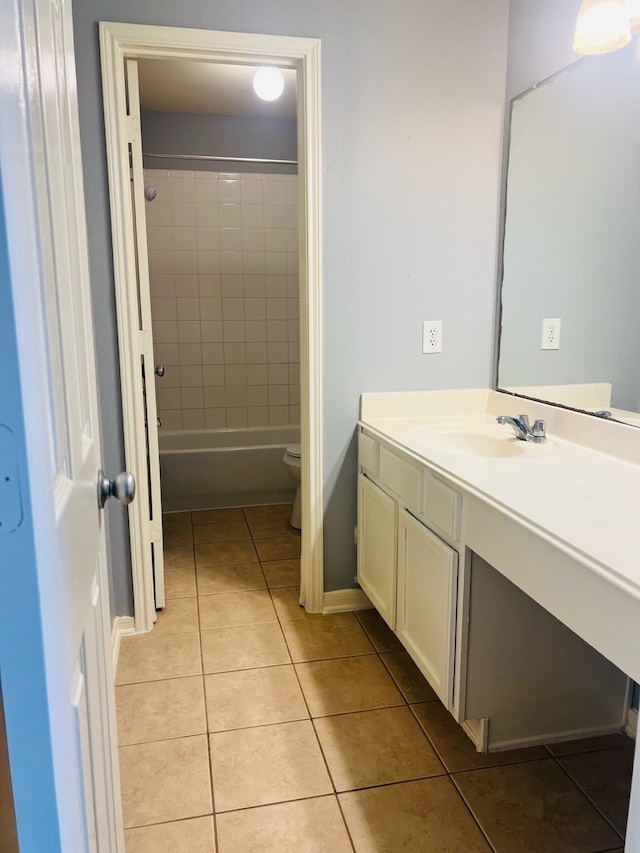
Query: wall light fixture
605,25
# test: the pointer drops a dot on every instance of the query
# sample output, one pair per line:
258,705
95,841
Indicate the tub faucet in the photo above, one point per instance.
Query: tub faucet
522,429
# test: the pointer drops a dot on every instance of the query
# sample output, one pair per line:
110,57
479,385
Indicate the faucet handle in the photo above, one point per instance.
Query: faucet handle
524,420
539,428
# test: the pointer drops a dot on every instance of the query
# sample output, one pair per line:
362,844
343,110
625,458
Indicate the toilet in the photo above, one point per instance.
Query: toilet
291,459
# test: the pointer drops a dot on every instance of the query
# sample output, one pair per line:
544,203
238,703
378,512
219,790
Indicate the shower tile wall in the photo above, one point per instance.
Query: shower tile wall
223,262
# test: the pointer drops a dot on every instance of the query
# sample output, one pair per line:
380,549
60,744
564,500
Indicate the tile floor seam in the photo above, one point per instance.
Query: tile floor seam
162,739
475,819
346,824
157,680
213,789
378,785
206,704
360,711
433,745
206,712
261,726
335,657
276,803
586,795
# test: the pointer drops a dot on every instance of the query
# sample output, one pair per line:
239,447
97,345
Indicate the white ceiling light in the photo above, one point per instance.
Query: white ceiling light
268,83
603,25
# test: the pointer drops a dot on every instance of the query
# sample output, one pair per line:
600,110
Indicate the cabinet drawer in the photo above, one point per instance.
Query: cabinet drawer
442,507
368,453
402,478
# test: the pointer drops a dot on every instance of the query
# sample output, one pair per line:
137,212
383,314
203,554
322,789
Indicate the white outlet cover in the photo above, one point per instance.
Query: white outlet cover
432,336
550,333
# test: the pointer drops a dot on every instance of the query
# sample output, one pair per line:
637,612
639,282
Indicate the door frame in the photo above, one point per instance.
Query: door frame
118,42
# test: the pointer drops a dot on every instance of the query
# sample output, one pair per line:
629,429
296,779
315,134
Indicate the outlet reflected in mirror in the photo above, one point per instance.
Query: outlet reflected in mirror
572,245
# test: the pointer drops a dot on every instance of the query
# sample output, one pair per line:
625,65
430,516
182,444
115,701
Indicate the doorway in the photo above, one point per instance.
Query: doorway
120,43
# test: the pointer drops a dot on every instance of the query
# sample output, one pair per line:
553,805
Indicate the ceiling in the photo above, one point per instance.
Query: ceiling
177,86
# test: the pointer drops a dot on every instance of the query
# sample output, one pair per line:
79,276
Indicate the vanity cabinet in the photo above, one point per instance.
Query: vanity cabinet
426,602
408,572
377,548
435,562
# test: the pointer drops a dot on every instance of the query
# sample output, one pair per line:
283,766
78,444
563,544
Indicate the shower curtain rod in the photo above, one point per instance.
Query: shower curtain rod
222,159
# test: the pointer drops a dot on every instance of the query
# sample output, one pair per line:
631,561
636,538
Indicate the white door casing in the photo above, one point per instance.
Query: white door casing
65,609
119,43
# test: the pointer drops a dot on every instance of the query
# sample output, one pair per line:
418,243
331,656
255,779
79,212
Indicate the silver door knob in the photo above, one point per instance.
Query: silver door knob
122,488
159,370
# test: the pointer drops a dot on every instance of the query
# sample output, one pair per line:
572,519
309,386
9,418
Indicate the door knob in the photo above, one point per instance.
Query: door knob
122,488
159,370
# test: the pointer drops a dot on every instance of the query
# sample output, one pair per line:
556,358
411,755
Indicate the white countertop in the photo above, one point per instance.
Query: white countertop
573,492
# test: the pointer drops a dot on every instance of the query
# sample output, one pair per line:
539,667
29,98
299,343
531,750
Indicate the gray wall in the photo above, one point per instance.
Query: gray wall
222,136
412,110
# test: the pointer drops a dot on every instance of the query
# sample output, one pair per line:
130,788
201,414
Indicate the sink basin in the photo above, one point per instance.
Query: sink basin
474,442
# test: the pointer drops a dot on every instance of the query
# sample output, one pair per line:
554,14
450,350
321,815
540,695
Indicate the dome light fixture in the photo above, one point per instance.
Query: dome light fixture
602,26
268,83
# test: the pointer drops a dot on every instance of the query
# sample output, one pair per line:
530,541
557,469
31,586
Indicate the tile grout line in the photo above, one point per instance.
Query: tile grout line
206,706
471,813
586,795
334,795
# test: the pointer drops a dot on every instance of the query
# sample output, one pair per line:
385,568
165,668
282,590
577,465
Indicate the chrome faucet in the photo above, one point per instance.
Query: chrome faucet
522,429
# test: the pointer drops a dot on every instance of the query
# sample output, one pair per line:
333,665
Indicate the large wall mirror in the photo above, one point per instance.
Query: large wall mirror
572,238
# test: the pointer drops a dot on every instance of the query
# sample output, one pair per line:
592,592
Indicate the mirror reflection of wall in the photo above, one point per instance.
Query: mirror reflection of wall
572,237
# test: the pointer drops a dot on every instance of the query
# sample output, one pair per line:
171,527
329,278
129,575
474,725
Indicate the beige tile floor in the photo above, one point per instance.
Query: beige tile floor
248,726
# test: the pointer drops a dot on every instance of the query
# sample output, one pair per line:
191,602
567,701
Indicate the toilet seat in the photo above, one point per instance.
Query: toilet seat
293,450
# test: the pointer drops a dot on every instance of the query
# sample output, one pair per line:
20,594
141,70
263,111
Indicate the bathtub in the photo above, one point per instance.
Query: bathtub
201,469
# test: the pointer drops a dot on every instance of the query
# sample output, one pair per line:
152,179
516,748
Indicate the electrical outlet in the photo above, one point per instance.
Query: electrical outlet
550,333
432,336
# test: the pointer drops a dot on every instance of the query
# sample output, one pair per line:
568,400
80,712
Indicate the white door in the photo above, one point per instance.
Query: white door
427,589
149,479
55,660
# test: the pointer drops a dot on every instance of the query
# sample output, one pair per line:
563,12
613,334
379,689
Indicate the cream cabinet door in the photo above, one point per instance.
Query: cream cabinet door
377,548
427,591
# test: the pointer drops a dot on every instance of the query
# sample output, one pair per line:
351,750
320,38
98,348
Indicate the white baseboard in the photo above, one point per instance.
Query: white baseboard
122,625
632,723
341,600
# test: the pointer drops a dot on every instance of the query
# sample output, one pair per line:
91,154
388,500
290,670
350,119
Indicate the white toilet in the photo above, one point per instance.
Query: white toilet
291,459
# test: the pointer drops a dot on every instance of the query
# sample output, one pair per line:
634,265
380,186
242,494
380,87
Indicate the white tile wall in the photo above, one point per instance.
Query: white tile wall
223,260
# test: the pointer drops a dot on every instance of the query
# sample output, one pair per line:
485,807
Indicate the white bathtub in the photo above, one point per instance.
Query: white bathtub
202,469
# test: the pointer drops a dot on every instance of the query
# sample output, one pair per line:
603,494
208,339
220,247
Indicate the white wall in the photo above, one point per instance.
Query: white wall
412,111
540,41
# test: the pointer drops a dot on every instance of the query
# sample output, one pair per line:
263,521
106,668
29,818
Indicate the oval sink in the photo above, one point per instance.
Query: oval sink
470,443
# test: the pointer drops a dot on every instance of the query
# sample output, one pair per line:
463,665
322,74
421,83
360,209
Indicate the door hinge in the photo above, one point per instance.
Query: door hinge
155,530
11,512
133,129
145,343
